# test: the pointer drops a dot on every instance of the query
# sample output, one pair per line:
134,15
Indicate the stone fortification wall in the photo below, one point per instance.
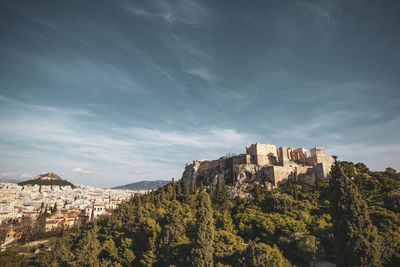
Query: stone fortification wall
300,154
240,159
261,154
262,163
282,174
284,155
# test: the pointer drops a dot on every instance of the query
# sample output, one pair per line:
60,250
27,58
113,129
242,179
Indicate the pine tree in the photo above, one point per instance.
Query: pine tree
61,253
260,254
173,235
145,241
203,247
356,238
88,249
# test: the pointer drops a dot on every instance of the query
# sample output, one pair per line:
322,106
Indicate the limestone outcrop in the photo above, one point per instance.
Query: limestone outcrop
262,163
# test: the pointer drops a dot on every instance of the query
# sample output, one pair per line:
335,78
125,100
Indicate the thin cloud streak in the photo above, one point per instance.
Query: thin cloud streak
82,171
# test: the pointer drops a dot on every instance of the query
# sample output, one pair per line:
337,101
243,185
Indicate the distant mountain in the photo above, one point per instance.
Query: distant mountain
143,185
9,180
49,178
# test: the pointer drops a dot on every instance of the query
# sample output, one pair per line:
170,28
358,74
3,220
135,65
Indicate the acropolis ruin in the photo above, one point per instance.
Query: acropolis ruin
262,163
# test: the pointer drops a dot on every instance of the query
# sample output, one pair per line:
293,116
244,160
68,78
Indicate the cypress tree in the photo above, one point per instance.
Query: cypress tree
173,194
201,189
179,189
139,211
203,247
187,189
211,189
222,196
162,195
356,238
192,187
92,214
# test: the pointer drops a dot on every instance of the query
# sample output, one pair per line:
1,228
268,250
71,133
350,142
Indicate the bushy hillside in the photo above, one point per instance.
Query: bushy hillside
47,182
49,178
355,214
144,185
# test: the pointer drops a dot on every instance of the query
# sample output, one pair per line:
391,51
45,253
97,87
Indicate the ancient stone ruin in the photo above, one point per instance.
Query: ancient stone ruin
262,163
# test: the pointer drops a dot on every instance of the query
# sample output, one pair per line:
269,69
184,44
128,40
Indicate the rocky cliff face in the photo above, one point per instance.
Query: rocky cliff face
263,164
204,171
47,176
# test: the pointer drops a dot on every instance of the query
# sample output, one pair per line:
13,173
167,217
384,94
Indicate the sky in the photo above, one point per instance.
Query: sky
106,93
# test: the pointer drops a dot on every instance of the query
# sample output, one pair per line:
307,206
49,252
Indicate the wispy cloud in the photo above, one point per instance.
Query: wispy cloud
45,108
213,138
187,12
144,149
82,171
202,73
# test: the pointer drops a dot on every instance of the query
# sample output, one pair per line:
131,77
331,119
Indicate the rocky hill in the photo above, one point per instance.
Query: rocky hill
143,185
262,163
49,178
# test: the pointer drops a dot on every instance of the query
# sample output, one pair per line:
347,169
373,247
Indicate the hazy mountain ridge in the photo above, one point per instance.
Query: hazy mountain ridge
143,185
10,180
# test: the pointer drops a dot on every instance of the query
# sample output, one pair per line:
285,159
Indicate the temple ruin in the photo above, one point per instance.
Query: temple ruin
263,163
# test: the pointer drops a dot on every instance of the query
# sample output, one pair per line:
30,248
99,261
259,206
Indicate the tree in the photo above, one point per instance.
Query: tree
201,189
61,253
145,241
54,210
356,238
222,196
173,236
192,187
261,254
88,249
203,247
162,193
40,223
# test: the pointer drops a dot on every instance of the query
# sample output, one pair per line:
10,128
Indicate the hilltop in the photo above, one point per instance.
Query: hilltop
49,178
143,185
262,163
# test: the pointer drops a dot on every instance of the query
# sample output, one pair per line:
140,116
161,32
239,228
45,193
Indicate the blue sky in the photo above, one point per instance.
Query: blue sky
110,92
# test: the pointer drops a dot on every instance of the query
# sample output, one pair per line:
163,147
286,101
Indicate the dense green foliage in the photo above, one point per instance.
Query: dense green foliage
47,182
295,225
356,238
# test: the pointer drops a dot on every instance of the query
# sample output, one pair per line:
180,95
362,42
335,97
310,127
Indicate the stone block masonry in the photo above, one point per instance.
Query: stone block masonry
262,163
